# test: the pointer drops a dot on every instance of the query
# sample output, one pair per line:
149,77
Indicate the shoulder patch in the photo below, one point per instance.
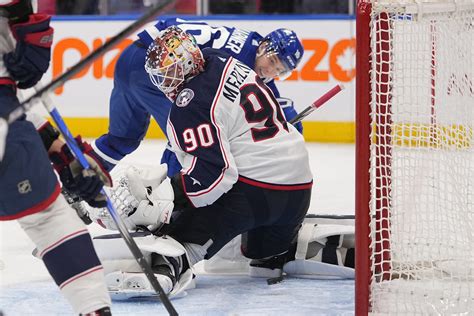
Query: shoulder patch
184,97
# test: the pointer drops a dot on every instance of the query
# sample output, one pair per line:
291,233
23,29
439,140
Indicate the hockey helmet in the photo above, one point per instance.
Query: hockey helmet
286,46
172,58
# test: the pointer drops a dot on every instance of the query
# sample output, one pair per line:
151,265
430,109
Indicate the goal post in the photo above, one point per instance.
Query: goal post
415,157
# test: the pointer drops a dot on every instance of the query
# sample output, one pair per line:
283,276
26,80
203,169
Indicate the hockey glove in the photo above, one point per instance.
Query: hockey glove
142,198
77,180
290,112
31,57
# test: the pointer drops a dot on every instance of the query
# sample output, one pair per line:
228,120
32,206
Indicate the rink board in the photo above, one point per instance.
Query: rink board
329,59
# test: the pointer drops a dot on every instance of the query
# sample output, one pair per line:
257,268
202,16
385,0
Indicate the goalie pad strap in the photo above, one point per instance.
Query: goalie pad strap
304,236
330,254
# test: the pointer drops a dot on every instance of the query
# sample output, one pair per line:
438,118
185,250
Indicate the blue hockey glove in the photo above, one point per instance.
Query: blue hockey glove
290,112
170,159
31,57
76,180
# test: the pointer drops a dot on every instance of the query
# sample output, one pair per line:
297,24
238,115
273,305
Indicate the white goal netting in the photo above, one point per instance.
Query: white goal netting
422,158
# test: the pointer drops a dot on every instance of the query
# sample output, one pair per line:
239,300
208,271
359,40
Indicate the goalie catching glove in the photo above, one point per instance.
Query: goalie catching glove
141,198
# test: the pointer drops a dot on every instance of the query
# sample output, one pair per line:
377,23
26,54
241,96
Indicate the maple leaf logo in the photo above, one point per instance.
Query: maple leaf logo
346,61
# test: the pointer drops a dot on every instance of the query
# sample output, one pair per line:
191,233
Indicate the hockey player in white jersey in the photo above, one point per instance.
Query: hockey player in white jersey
29,189
245,169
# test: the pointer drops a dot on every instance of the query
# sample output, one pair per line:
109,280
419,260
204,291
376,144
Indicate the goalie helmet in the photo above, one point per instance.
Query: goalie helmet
285,45
171,59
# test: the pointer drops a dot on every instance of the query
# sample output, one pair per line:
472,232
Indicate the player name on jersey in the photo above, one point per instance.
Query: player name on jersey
237,40
235,79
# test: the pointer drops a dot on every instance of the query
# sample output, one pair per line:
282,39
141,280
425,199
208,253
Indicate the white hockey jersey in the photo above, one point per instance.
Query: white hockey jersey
226,126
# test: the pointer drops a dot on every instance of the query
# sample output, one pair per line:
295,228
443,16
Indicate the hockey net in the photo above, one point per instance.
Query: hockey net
415,159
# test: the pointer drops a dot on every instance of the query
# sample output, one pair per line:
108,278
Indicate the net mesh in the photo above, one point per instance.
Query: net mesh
422,161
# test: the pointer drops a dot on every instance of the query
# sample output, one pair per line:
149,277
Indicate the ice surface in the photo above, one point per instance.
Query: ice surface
26,288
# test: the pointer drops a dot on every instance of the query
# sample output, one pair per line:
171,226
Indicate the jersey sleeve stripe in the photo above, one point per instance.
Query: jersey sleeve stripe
280,187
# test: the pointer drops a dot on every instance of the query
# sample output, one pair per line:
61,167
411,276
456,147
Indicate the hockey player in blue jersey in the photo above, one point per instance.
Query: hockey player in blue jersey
238,157
134,99
29,189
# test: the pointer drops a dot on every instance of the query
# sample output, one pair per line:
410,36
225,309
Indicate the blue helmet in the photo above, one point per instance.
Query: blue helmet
287,46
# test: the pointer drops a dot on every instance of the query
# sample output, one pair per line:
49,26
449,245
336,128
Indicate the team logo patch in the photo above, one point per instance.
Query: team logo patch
184,97
24,187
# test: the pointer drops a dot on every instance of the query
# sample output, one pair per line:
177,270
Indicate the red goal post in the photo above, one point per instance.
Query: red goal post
414,157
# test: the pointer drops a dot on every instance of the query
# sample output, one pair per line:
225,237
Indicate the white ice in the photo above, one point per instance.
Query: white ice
27,289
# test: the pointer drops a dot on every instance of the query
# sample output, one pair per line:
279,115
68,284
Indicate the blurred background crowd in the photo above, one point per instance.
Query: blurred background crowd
198,7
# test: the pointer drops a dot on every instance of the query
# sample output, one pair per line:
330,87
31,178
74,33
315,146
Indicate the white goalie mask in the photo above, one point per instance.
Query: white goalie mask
172,58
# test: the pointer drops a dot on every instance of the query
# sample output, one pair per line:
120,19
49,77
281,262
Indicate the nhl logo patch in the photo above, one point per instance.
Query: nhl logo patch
24,187
184,97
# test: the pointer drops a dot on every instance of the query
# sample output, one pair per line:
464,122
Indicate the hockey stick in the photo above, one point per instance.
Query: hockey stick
317,104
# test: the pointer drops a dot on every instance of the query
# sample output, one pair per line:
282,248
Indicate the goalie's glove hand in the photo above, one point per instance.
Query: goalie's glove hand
85,183
31,57
142,198
154,194
290,112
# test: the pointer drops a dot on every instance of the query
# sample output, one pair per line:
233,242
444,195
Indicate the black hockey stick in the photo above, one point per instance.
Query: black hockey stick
317,104
277,279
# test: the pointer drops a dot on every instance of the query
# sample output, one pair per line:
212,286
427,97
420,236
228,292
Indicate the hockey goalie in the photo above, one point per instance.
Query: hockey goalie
324,248
237,154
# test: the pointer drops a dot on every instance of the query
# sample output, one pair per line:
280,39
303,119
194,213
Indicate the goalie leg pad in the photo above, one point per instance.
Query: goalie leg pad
326,240
319,240
325,249
167,257
115,255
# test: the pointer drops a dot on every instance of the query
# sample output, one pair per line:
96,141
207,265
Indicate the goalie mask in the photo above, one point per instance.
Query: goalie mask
171,59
